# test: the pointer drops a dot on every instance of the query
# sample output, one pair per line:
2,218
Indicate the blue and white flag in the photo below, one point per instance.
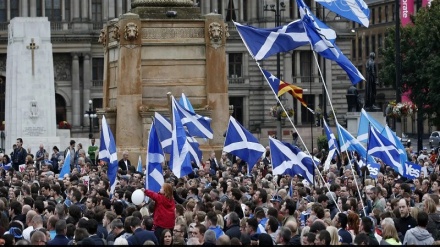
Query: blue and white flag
379,146
155,157
412,170
240,142
374,169
354,10
388,133
348,143
66,167
332,142
184,101
139,165
322,38
364,122
164,132
262,43
288,159
180,162
107,153
196,125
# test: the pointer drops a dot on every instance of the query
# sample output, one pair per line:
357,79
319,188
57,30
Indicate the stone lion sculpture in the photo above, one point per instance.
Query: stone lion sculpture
115,33
102,37
131,31
215,32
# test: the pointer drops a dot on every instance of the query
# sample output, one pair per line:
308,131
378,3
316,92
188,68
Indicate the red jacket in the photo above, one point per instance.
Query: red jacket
164,211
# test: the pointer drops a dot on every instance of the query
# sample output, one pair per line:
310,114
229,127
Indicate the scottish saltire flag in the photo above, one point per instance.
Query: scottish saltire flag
139,165
107,153
332,142
262,43
354,10
280,87
388,133
9,166
184,101
195,124
288,159
379,146
364,123
348,143
412,170
322,39
155,157
164,132
240,142
66,167
374,169
180,162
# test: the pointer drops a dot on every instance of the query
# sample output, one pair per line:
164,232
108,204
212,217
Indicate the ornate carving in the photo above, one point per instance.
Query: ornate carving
163,3
172,33
115,33
33,109
215,34
227,30
103,37
131,31
62,64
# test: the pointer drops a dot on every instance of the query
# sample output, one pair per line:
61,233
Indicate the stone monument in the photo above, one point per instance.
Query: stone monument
163,46
30,91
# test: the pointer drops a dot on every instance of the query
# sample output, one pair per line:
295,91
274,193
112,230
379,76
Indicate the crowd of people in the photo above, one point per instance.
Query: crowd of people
220,203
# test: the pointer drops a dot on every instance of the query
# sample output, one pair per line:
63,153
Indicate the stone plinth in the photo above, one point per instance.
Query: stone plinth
159,56
30,92
353,119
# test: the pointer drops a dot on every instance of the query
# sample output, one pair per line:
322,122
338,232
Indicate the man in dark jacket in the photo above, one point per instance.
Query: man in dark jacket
19,155
139,235
233,226
92,229
60,237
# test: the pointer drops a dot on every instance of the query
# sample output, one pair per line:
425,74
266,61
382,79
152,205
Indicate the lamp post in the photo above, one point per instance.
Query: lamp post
276,9
91,114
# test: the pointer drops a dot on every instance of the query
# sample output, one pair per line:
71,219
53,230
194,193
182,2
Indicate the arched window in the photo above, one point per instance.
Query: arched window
60,106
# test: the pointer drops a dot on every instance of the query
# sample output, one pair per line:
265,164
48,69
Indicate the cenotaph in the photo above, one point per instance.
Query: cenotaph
30,100
163,46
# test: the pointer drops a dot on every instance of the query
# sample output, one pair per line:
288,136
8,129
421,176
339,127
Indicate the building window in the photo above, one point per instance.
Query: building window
359,46
235,65
379,15
3,11
394,12
306,66
97,69
386,13
237,102
219,7
373,15
67,10
373,44
379,41
231,14
245,10
96,10
353,49
307,116
15,10
53,10
367,46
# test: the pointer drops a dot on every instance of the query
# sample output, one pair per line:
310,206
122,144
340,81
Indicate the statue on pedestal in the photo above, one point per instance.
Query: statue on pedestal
354,103
370,89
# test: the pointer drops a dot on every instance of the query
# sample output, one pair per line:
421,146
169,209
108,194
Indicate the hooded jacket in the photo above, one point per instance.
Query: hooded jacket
164,211
418,236
433,226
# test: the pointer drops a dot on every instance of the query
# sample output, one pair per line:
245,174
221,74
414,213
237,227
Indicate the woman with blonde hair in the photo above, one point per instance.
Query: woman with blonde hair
390,236
334,235
433,216
304,232
165,210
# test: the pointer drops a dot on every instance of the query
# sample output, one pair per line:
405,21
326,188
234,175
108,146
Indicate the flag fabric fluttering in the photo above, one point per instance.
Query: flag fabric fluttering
164,132
184,101
333,146
322,38
262,43
379,146
180,162
195,124
66,167
280,87
107,153
364,122
354,10
388,133
139,165
155,157
288,159
348,143
240,142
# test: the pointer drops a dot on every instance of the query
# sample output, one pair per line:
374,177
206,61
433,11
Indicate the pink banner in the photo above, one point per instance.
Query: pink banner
426,3
405,97
406,10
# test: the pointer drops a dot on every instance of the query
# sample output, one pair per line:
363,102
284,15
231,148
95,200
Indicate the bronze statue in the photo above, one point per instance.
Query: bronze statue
370,89
354,101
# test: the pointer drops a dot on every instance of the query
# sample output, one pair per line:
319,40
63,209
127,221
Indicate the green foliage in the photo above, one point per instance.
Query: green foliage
420,60
322,142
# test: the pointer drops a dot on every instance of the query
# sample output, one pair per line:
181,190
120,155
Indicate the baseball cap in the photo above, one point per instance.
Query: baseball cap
276,198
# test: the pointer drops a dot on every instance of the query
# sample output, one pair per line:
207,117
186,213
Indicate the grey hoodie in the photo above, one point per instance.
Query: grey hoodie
418,236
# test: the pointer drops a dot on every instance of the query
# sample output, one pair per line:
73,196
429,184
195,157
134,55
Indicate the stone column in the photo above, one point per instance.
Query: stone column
214,6
128,5
240,10
104,11
43,8
85,10
76,11
206,6
297,72
63,10
216,83
87,83
8,7
111,9
76,105
118,8
34,8
252,11
24,8
245,70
